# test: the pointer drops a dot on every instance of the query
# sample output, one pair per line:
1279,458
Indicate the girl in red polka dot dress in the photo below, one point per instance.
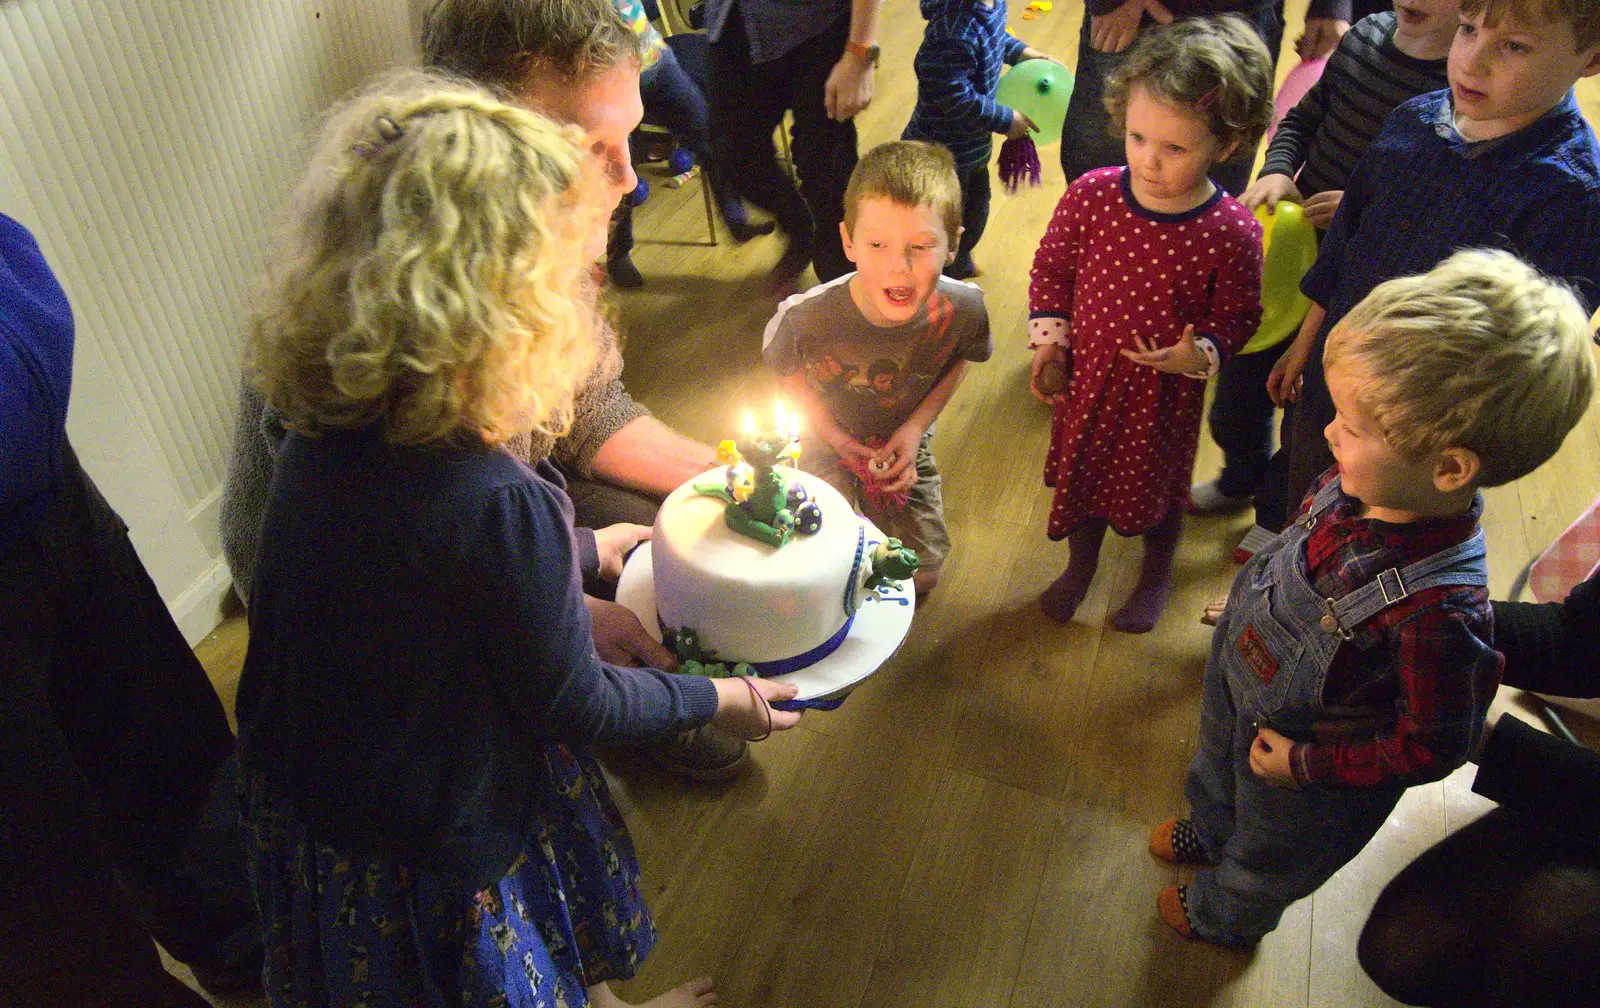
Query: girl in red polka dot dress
1147,278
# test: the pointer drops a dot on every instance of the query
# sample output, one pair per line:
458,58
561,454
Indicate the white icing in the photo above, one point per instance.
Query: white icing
749,601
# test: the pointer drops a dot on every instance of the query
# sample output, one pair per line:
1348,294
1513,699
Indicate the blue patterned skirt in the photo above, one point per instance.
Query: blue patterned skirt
347,932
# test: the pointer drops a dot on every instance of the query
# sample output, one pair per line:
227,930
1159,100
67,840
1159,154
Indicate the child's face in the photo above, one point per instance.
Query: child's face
1389,484
899,252
1505,77
1418,19
1170,149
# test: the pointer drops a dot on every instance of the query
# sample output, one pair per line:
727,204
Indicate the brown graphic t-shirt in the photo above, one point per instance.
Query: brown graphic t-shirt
872,377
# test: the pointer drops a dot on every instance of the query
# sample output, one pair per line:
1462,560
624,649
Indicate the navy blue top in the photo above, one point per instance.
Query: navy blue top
958,69
36,335
1422,192
417,635
774,27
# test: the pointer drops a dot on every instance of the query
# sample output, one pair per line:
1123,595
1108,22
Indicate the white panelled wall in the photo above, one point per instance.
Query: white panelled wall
150,146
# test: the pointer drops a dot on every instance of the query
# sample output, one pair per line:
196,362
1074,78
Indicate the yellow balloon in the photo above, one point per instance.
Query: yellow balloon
1289,247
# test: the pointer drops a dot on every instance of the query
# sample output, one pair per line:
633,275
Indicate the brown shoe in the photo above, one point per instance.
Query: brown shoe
708,754
1176,840
1174,909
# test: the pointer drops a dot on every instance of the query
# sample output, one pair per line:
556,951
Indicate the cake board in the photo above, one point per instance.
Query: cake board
879,629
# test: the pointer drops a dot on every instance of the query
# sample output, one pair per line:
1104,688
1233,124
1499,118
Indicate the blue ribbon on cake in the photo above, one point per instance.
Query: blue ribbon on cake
783,666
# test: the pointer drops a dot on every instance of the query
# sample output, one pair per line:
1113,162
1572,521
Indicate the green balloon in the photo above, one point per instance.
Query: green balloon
1040,89
1289,243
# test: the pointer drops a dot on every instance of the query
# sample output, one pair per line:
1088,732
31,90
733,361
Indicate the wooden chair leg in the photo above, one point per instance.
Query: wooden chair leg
711,216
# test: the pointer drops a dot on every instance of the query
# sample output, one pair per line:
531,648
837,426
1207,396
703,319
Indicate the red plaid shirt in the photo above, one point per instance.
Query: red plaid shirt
1405,699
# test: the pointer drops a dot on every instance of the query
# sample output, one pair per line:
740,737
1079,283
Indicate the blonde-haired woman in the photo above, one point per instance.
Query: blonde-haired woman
427,826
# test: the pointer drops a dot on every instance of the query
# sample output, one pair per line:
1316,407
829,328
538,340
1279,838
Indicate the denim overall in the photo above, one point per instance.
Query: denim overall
1269,659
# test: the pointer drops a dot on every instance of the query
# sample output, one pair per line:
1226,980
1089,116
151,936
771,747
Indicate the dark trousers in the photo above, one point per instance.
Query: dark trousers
1241,419
111,743
1303,455
1501,912
1087,141
975,187
674,100
748,101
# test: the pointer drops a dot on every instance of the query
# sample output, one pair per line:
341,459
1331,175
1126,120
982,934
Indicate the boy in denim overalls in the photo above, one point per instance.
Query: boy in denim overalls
1353,659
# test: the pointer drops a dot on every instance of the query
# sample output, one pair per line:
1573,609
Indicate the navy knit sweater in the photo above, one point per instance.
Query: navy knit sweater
1422,192
417,634
36,336
958,69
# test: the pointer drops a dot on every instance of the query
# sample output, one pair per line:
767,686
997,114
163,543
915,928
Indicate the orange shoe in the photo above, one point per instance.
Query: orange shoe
1174,909
1177,841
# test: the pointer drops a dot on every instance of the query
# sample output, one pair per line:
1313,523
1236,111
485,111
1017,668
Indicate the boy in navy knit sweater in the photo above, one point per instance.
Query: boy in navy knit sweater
1502,159
1381,63
958,69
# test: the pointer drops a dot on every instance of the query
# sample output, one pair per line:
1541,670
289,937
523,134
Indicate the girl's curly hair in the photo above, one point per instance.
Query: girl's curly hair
1216,66
433,278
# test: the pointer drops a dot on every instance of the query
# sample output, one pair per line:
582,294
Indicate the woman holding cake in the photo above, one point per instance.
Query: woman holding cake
427,825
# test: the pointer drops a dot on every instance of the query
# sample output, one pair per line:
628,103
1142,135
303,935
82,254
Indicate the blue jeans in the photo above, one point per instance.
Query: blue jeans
1087,141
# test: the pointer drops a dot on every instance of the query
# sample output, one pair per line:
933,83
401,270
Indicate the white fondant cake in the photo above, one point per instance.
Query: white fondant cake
746,600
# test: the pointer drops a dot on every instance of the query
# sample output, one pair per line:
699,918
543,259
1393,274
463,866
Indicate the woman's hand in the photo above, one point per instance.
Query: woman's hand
1287,377
1021,126
1271,190
744,706
621,639
1114,32
1321,207
1269,758
898,458
613,544
1182,357
1043,356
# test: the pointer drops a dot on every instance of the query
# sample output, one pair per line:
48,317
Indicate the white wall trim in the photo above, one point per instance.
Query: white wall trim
198,608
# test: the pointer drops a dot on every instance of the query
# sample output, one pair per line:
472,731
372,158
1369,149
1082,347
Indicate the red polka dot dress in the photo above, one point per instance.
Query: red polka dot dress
1122,445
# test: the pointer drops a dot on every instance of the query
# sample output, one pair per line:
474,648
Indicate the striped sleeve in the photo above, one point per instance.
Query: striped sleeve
945,67
1014,48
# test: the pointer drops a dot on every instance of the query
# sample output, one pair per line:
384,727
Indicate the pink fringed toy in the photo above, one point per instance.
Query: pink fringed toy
1019,161
872,480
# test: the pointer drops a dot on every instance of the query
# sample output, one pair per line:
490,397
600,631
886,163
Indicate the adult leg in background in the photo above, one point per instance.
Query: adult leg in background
1501,912
747,102
824,150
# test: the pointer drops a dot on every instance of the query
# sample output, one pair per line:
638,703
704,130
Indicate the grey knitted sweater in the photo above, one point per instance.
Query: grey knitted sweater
602,408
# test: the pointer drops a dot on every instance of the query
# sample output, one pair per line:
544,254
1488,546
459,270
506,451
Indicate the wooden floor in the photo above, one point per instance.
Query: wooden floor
969,828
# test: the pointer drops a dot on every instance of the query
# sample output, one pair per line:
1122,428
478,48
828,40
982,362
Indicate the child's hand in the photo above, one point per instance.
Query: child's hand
1021,126
848,447
1283,384
1030,53
1269,758
1042,356
1320,38
1182,357
613,543
1271,190
744,706
1321,207
898,457
1211,615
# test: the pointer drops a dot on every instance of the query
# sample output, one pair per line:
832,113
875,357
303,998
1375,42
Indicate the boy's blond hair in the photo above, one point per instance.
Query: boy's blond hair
1582,15
1482,352
499,43
432,276
909,173
1217,67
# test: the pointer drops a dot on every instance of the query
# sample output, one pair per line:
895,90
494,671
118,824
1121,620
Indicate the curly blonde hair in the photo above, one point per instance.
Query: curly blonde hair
1217,67
1482,352
434,278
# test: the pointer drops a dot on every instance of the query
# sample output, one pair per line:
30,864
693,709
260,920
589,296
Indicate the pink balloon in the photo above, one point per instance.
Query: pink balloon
1295,86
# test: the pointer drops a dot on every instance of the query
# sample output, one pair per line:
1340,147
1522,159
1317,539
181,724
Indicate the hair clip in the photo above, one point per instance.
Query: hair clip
1208,99
389,130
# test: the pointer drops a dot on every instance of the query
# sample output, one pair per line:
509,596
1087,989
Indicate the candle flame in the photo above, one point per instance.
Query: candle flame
749,422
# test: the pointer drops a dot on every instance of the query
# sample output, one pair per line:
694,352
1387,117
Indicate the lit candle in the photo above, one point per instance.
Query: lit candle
749,422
